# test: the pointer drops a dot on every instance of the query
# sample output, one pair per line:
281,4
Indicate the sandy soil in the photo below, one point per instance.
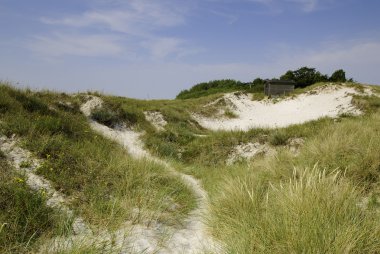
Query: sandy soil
193,236
248,151
18,156
330,101
156,119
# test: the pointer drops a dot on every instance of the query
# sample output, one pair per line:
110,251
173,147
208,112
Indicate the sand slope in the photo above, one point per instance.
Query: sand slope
330,101
192,237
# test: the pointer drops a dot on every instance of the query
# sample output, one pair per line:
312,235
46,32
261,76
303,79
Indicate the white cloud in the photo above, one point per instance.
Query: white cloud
137,22
79,45
132,17
163,47
306,5
231,18
359,58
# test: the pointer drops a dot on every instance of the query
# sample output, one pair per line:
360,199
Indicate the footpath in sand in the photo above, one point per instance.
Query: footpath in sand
24,163
193,236
327,101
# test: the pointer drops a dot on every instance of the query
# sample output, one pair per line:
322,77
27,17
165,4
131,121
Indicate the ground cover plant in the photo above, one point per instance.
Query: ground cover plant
24,217
269,205
103,183
323,199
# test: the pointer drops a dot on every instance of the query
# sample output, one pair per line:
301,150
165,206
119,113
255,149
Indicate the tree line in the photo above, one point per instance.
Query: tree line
303,77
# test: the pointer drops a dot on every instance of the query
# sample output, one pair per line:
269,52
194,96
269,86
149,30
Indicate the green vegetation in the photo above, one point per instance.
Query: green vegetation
325,199
338,76
306,203
104,185
306,76
23,214
219,86
309,203
113,115
303,77
311,212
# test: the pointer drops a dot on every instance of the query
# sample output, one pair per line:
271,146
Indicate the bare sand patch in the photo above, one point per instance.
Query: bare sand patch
192,237
247,151
327,101
23,162
156,119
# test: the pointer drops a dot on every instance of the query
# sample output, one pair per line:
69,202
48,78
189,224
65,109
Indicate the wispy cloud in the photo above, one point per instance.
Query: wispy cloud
307,5
303,5
231,18
57,44
126,18
162,47
165,46
138,21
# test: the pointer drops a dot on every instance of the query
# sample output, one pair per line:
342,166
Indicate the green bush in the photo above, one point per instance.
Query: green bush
105,116
338,76
113,115
304,76
212,87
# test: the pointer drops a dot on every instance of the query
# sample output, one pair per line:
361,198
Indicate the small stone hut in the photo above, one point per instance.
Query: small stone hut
278,87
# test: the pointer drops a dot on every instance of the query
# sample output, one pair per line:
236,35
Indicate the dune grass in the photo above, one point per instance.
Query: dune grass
311,203
311,212
24,217
103,183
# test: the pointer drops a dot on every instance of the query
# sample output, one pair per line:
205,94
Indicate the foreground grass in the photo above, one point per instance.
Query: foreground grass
24,217
311,203
103,184
265,206
311,212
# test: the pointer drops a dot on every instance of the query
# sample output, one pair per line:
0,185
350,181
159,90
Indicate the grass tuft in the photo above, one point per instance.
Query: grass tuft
312,212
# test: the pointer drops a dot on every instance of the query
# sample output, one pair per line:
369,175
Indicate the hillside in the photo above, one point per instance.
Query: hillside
222,173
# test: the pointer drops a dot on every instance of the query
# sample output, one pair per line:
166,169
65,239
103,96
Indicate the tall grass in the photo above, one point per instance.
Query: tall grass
311,212
270,205
103,183
24,217
277,209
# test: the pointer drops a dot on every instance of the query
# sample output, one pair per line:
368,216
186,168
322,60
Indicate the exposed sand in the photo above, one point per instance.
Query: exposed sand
247,151
54,199
156,119
329,101
191,238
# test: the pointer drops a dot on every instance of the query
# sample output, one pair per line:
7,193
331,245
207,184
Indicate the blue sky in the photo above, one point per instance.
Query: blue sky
154,49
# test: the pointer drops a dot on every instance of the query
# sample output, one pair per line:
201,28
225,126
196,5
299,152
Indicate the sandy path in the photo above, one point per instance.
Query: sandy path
193,237
18,156
323,102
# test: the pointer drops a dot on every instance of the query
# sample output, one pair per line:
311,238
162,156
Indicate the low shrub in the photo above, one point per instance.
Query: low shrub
113,115
278,138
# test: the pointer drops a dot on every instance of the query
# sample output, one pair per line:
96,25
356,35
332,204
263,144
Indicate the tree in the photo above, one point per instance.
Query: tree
338,76
289,75
258,81
304,76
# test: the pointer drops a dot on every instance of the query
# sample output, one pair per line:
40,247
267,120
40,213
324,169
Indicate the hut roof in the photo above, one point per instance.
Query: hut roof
280,82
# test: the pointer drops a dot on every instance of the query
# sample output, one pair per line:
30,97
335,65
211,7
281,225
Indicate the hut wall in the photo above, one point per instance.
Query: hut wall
273,89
